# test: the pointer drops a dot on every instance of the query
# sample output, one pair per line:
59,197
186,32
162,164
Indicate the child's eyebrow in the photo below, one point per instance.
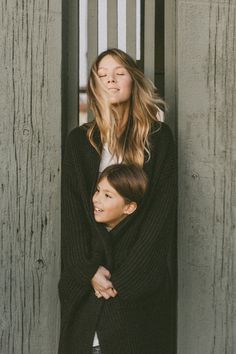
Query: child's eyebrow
105,190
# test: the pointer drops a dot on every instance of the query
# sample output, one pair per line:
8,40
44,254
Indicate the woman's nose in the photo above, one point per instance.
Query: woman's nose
110,79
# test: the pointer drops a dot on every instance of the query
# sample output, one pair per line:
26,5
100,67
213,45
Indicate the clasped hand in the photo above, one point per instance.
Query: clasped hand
102,285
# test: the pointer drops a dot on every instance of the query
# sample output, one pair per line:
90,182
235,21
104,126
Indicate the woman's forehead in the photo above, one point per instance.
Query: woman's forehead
108,61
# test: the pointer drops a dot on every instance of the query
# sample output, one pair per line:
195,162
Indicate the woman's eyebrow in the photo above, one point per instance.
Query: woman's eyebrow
117,67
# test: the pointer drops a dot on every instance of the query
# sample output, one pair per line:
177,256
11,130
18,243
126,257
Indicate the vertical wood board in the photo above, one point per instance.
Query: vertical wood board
92,31
170,63
70,65
112,24
131,28
149,39
30,104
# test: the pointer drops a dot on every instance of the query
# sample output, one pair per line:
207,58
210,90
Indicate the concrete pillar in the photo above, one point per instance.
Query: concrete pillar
206,109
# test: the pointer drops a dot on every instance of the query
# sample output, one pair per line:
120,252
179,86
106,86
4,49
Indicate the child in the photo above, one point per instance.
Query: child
120,189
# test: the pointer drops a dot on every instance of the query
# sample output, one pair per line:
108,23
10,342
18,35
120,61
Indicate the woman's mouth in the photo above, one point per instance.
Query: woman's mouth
113,89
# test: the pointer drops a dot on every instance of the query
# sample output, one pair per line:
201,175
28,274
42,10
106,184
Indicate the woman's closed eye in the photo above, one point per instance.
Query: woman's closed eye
105,75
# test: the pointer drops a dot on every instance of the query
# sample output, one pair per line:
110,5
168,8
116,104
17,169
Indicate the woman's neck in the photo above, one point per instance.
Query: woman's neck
123,113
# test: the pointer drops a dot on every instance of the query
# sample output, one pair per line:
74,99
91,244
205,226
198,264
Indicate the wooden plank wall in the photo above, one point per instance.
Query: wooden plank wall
170,63
70,66
30,139
149,39
206,100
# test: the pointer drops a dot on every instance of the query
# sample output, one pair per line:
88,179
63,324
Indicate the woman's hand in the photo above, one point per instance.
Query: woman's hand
102,285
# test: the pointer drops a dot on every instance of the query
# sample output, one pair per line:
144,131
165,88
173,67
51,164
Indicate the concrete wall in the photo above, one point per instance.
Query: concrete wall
30,139
206,102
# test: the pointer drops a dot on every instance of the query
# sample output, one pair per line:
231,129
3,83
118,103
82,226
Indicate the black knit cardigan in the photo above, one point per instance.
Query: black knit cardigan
139,320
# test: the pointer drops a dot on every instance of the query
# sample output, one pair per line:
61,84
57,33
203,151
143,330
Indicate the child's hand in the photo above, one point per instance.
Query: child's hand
102,285
106,294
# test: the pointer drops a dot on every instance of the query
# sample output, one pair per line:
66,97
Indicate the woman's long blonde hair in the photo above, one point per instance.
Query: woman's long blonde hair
145,106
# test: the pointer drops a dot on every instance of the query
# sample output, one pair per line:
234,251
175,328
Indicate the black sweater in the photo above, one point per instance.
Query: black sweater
139,319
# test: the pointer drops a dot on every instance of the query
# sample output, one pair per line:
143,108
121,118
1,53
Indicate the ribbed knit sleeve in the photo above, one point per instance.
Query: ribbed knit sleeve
81,250
142,271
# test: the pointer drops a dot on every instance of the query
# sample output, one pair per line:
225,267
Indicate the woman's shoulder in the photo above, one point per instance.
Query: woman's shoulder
78,134
161,131
162,144
78,131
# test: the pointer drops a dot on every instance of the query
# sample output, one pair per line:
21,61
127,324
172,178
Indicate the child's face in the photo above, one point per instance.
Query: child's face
109,206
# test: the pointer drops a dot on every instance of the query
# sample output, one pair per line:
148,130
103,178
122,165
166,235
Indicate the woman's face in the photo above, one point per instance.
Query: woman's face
116,79
109,206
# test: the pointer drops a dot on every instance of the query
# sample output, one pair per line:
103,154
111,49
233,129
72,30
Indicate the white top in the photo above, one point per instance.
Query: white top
106,160
95,340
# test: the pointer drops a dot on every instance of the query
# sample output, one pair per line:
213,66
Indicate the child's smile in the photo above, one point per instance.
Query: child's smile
109,206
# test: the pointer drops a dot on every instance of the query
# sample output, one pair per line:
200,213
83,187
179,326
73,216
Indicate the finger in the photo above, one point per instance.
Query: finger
101,280
111,292
107,284
105,272
105,295
98,294
104,285
115,292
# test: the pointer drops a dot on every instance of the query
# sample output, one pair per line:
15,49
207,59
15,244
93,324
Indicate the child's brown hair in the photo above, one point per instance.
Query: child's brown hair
130,181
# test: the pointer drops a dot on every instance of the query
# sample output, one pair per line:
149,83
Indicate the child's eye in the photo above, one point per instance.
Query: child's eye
101,76
107,195
120,74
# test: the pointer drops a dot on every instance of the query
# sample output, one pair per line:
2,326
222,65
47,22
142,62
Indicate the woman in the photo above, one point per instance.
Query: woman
127,268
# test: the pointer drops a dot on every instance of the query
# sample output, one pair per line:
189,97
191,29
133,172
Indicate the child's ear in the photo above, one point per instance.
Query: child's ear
130,208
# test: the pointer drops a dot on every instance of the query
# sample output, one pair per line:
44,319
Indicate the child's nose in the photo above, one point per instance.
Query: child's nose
95,198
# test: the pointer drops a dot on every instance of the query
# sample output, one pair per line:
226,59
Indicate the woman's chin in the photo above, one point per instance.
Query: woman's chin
114,101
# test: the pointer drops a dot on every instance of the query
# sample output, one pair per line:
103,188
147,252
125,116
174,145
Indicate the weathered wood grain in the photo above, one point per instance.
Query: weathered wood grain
92,32
131,28
70,65
112,24
30,64
149,39
170,63
206,74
